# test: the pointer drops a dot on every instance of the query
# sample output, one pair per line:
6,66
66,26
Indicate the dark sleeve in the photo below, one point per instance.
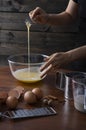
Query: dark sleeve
75,1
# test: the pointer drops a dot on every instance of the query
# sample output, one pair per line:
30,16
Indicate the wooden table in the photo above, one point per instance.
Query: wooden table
68,118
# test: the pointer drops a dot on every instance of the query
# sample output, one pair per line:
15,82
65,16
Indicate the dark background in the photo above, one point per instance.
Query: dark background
43,39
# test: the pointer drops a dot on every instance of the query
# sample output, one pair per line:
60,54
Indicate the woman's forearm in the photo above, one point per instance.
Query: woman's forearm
66,17
78,53
59,19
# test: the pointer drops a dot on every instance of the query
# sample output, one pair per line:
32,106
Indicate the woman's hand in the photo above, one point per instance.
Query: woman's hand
55,62
38,15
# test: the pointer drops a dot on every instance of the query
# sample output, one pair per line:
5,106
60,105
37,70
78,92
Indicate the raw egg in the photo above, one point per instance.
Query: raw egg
38,92
12,102
30,97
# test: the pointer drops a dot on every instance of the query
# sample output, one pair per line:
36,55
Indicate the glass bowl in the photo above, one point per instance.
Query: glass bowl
26,68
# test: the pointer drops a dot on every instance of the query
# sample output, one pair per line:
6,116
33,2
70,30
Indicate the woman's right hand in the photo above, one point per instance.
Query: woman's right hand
38,15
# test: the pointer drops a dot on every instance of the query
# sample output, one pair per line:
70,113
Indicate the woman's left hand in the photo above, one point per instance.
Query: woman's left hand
55,62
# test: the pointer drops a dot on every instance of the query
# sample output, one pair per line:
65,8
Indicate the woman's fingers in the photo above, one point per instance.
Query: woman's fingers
35,14
54,63
45,66
45,71
50,61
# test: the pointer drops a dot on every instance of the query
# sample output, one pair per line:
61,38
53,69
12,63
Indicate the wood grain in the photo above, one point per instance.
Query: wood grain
67,118
43,38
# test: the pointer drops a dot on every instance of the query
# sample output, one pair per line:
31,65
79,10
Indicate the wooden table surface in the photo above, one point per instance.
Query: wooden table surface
68,118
